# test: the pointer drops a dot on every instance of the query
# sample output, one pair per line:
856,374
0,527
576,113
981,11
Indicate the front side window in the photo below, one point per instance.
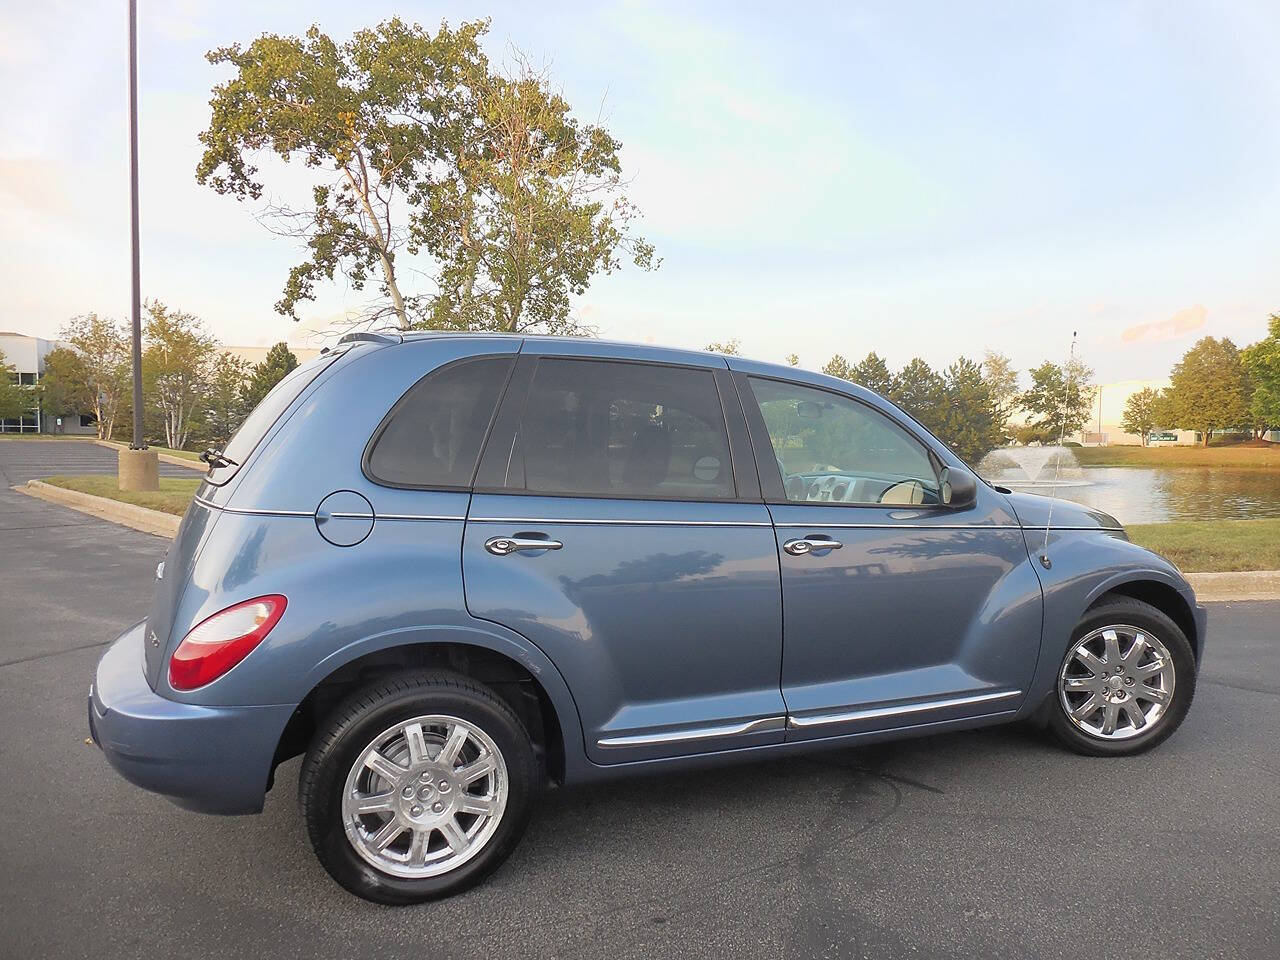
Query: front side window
611,429
831,448
433,435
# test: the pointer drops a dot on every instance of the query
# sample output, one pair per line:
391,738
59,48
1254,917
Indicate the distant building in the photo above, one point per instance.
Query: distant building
26,356
1104,427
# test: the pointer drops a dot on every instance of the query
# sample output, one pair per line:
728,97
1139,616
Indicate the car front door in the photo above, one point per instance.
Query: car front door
657,591
898,610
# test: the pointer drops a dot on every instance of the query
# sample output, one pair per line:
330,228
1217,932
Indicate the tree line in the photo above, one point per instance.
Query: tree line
971,405
1215,387
194,392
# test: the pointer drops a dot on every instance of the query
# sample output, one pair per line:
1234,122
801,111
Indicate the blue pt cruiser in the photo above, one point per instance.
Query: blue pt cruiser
447,567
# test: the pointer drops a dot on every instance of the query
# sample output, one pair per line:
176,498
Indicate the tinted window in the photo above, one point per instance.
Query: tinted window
832,448
266,413
599,428
432,437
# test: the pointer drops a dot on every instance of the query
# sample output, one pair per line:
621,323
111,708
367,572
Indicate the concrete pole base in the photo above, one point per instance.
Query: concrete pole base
139,470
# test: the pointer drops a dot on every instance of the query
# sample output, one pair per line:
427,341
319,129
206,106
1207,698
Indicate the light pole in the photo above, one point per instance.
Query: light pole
139,469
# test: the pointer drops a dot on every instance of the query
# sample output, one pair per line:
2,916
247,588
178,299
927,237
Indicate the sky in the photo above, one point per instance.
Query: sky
917,179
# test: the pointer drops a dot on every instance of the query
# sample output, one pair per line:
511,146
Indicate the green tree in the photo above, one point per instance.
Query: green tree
175,368
224,407
793,359
1059,400
968,416
15,400
730,348
1002,383
265,375
533,210
838,366
1140,412
103,384
418,147
873,373
1262,360
1209,388
921,392
64,385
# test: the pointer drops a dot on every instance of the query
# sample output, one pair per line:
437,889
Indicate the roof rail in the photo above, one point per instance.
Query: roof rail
370,337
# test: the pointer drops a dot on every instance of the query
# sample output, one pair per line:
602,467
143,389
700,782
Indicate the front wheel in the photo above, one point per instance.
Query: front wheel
1126,682
418,787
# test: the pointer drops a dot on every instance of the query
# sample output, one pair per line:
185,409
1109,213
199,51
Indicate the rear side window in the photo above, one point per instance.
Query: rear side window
610,429
265,414
433,435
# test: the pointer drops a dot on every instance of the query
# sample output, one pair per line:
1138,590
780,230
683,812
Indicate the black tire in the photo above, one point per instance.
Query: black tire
1126,610
355,723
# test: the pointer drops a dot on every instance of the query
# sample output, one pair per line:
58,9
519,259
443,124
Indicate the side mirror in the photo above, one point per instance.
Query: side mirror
957,488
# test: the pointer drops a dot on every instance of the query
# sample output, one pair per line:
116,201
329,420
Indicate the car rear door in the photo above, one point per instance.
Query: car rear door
916,613
657,593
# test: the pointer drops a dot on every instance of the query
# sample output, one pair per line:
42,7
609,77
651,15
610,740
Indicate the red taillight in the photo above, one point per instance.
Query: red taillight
217,644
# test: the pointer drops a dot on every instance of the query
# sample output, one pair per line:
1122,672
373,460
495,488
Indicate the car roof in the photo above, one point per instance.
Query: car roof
592,346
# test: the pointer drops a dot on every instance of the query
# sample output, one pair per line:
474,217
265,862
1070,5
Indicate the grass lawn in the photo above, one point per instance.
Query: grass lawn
1239,455
1213,546
172,497
184,454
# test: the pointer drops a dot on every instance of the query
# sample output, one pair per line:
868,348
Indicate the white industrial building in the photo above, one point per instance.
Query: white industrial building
26,356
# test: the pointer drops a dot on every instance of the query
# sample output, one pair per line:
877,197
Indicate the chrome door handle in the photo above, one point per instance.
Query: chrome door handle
807,545
502,546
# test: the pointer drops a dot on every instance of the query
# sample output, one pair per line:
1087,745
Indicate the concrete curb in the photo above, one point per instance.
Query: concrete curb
163,457
1236,585
130,515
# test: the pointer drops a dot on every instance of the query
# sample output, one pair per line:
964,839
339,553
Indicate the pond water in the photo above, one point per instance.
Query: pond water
1138,494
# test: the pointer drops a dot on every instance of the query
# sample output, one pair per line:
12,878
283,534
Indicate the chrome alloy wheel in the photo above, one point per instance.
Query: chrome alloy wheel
425,796
1116,682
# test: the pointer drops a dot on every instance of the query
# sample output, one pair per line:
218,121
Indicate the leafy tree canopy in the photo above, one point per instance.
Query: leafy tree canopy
224,407
101,380
730,348
64,385
838,366
1059,399
1002,383
873,373
278,362
15,400
175,367
1142,412
968,415
1209,388
419,147
921,392
1262,360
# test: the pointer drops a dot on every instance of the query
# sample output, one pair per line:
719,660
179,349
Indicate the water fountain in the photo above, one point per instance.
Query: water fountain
1023,467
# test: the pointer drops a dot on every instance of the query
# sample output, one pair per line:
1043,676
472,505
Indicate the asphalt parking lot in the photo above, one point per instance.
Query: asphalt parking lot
985,844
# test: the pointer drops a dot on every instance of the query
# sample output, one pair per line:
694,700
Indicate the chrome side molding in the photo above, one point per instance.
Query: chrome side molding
871,713
768,724
762,725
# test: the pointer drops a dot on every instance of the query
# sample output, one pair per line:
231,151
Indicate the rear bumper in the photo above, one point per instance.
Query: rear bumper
210,759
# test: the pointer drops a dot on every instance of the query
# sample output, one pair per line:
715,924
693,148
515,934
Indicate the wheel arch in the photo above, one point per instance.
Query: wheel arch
533,689
1164,596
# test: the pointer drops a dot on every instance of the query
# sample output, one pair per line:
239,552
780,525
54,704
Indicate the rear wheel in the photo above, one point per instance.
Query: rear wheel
1126,682
418,787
